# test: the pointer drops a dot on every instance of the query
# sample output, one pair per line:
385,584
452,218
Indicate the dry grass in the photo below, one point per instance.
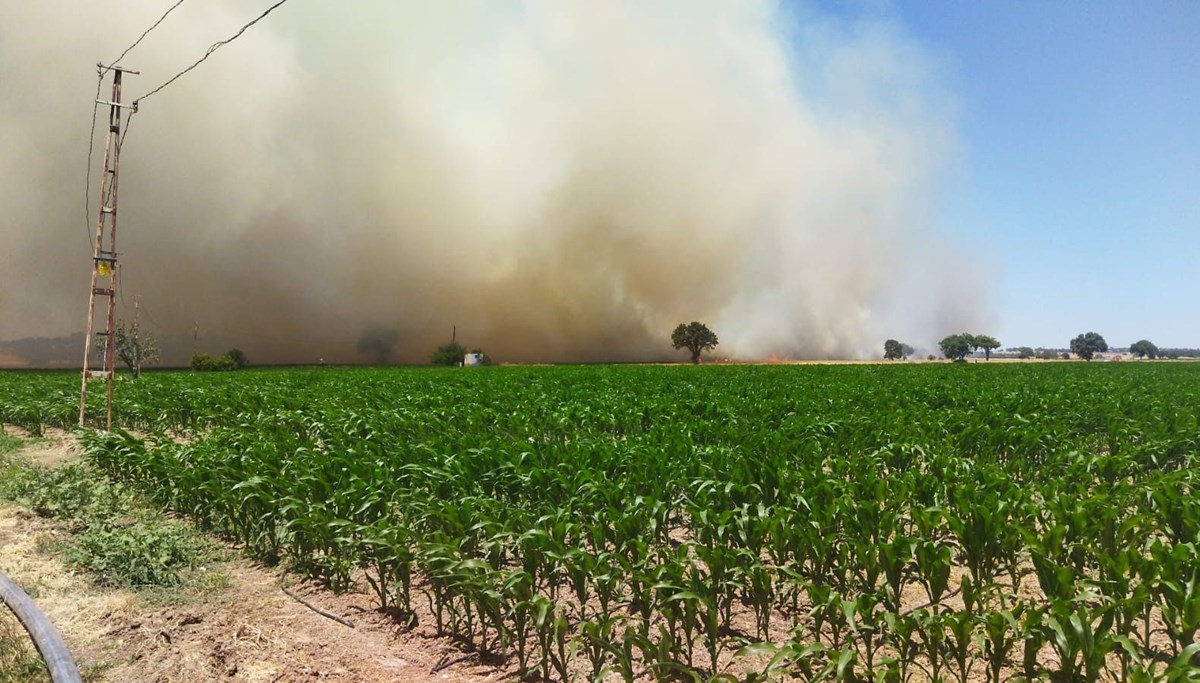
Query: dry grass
19,661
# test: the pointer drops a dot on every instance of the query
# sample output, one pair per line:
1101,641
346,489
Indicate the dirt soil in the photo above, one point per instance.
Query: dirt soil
241,627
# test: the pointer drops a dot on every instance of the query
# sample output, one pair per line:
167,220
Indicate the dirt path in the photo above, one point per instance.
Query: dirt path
242,627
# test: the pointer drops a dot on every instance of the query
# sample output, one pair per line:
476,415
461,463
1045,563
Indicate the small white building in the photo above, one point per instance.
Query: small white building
472,359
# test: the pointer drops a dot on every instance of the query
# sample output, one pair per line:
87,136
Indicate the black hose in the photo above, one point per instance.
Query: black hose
45,637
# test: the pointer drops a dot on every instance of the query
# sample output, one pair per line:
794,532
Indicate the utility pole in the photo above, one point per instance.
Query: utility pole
104,258
136,341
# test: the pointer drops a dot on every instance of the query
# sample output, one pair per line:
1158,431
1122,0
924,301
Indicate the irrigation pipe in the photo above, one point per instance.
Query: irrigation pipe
46,639
316,609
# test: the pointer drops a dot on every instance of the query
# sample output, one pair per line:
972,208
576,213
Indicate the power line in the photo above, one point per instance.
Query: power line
153,321
125,130
224,330
87,190
212,48
87,187
144,34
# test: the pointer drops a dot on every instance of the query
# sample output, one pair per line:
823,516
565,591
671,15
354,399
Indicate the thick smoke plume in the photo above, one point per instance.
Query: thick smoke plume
561,180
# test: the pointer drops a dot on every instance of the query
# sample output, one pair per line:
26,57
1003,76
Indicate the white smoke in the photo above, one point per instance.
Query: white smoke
562,180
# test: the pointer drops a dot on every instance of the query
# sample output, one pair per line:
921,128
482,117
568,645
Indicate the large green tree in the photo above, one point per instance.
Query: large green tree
1144,348
1087,345
956,347
987,343
893,350
695,337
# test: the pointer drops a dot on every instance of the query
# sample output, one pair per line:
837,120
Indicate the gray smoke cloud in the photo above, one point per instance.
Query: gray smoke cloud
561,180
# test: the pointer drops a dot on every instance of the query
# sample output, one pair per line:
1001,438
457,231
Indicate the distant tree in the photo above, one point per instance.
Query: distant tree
448,354
931,357
1024,352
987,343
695,337
238,358
1087,345
956,347
1175,353
893,350
135,348
1144,348
1067,356
378,341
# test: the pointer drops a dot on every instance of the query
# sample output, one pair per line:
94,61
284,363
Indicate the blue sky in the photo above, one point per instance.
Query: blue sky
1079,177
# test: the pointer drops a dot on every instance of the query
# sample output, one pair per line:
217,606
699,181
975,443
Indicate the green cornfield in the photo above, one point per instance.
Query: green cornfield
906,522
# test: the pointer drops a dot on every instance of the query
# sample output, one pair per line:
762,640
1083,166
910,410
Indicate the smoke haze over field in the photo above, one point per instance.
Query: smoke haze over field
561,180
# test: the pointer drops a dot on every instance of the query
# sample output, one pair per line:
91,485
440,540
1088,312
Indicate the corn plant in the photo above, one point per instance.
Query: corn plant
619,520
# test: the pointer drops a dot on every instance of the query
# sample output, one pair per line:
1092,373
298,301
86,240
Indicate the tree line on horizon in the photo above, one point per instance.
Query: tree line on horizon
957,347
138,347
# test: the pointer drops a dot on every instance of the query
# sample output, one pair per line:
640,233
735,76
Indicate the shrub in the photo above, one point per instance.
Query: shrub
112,536
238,358
134,553
70,492
202,362
448,354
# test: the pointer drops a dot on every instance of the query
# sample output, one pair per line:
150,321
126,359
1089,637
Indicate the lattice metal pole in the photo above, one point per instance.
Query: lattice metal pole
104,258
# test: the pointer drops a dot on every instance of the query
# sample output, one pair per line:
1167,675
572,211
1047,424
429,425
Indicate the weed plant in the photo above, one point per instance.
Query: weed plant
112,535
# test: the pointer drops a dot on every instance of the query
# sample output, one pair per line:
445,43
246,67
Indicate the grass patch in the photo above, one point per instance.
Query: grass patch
8,444
113,535
75,493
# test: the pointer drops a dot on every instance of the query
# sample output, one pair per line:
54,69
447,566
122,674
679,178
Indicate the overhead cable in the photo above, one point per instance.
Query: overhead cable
87,186
211,49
